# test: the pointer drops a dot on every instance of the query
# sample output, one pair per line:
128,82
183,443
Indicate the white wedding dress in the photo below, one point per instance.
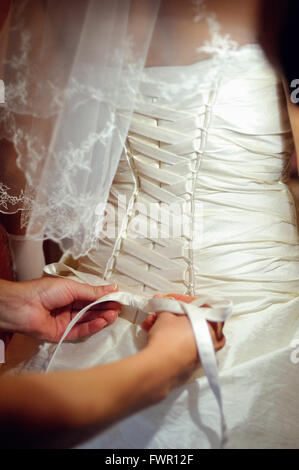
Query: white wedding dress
213,138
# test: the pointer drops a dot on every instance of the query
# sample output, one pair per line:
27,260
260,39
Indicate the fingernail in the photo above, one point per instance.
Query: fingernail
110,288
110,316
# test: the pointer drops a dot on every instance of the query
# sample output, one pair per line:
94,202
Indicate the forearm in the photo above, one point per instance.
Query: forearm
43,410
63,408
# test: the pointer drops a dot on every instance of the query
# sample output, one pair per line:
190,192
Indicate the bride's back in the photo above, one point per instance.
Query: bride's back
182,28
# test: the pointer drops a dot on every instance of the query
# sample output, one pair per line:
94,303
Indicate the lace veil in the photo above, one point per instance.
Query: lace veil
67,68
71,72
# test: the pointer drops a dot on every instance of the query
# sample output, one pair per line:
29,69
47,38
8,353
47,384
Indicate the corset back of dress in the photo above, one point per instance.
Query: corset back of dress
199,203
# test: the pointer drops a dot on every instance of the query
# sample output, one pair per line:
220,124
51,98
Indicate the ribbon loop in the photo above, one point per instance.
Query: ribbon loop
198,316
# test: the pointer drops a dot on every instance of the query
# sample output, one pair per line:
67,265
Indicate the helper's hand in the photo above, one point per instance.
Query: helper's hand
216,328
44,307
171,335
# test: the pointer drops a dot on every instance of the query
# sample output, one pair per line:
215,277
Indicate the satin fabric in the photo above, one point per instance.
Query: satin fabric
219,137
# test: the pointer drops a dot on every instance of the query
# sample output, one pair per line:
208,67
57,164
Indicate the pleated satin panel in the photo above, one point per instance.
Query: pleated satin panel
208,153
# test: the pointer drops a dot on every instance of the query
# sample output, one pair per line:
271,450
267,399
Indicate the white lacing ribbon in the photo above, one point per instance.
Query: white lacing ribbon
198,316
